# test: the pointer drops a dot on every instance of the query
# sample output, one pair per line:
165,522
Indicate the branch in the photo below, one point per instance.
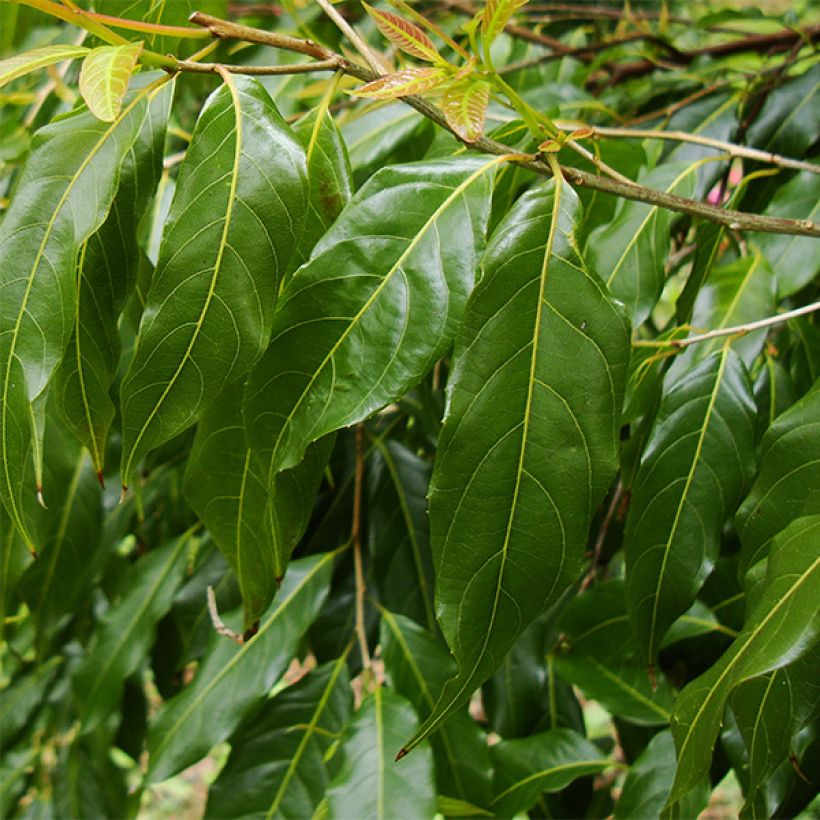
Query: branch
258,70
735,220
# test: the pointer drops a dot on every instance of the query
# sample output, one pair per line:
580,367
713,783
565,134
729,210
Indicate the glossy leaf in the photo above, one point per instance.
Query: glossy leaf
210,307
231,680
402,83
21,64
547,762
788,484
370,784
104,78
255,532
67,187
524,457
107,271
465,107
405,35
382,265
277,765
782,625
417,666
127,631
630,252
697,462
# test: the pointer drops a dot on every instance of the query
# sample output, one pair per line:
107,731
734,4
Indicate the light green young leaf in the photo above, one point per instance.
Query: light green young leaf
782,626
209,310
104,78
699,458
496,15
403,83
232,681
64,194
524,456
21,64
370,785
465,107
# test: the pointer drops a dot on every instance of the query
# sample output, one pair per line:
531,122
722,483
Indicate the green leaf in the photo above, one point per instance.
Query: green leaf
788,484
330,177
381,265
649,781
104,78
15,766
630,252
277,765
127,630
524,456
398,532
405,35
547,762
22,698
369,783
496,15
106,274
64,194
793,258
210,307
254,531
403,83
465,107
21,64
232,681
782,625
417,666
697,462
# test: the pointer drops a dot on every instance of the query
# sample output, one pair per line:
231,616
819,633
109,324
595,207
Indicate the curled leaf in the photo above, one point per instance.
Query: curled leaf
104,78
405,35
465,107
403,83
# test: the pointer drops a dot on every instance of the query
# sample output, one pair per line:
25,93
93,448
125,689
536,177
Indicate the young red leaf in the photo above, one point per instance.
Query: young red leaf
497,14
403,83
465,107
405,35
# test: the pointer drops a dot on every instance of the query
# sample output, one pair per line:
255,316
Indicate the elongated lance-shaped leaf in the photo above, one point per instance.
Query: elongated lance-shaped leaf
107,269
497,14
546,762
629,253
526,453
104,78
699,458
64,194
232,681
403,83
21,64
465,107
127,631
788,484
329,176
369,785
396,266
405,35
276,767
237,215
254,531
782,625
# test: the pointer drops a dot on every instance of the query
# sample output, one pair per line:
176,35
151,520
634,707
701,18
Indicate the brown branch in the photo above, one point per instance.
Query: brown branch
735,220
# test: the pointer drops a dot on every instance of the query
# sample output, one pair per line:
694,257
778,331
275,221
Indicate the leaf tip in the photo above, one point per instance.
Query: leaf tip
401,753
123,493
101,478
40,500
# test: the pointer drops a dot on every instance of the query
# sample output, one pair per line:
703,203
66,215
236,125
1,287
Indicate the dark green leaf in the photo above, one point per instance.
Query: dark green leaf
231,681
524,456
370,784
23,697
780,627
209,310
699,458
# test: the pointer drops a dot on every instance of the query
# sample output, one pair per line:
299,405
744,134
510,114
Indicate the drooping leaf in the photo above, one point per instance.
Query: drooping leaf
788,484
330,177
694,469
127,630
21,64
233,680
496,15
649,781
209,310
383,265
104,78
524,457
403,83
465,107
22,698
417,666
65,191
254,531
107,271
782,625
547,762
370,784
276,767
630,252
405,35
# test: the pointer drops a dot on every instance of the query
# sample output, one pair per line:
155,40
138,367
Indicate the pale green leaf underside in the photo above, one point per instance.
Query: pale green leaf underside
104,78
21,64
